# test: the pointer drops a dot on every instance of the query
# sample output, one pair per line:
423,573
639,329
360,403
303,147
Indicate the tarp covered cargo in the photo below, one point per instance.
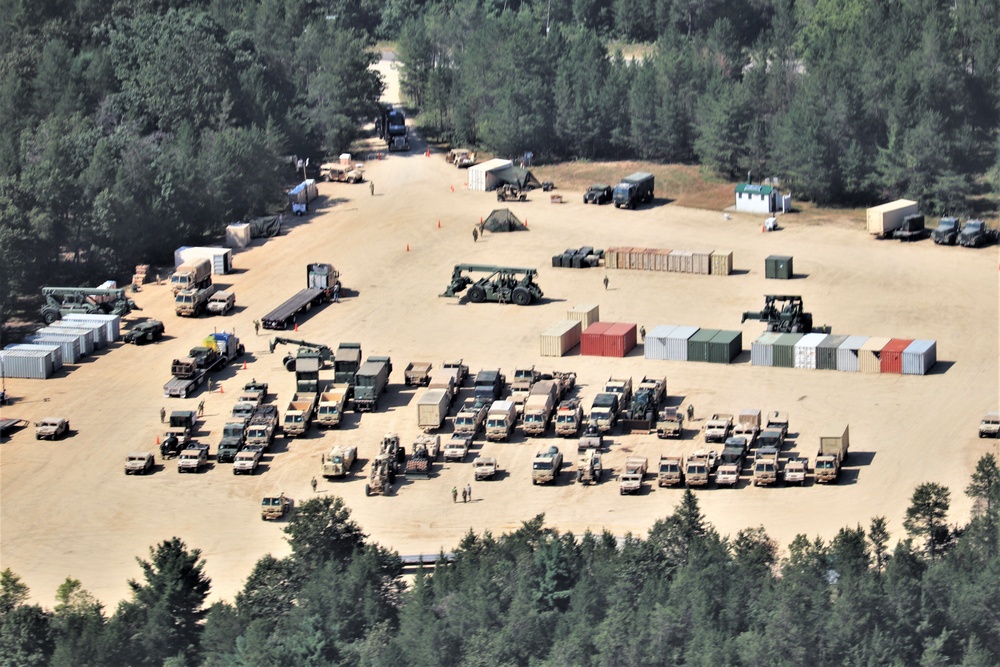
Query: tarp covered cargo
502,220
264,226
518,176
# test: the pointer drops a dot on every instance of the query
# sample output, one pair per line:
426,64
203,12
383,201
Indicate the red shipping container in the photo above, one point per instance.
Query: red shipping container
891,360
590,340
619,339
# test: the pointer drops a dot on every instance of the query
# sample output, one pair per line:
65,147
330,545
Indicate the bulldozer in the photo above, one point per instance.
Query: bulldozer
61,301
784,314
503,284
306,350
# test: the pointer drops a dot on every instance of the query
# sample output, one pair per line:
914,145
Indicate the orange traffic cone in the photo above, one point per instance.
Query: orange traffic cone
157,439
453,188
407,247
439,224
221,390
296,326
244,365
763,228
525,223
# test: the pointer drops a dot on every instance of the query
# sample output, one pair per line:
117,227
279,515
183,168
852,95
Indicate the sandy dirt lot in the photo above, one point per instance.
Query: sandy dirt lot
68,509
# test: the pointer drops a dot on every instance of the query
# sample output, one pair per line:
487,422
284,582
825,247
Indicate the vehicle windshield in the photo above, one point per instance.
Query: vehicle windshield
336,459
824,465
543,465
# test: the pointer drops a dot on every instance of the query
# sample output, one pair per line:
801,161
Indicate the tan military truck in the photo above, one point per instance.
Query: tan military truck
989,427
339,461
670,471
273,508
247,460
330,411
381,476
765,466
779,420
193,459
748,426
795,471
630,480
138,463
719,427
417,374
589,469
569,418
831,456
669,423
500,421
699,466
471,417
221,303
545,468
335,172
51,428
457,447
461,157
432,443
484,467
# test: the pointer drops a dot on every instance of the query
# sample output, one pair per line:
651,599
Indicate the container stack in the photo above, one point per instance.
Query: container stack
608,339
68,344
111,324
31,363
560,338
54,351
844,353
686,343
86,336
586,314
704,262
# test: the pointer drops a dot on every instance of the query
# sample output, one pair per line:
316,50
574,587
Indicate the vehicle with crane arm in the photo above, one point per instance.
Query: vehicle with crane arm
504,284
306,350
61,301
784,314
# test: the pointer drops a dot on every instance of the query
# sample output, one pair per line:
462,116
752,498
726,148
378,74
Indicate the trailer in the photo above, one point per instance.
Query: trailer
191,371
322,282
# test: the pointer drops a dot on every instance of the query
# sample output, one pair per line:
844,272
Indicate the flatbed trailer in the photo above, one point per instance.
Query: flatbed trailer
11,425
281,317
184,387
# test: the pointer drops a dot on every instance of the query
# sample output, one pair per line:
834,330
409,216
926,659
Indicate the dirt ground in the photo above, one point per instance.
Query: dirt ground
68,509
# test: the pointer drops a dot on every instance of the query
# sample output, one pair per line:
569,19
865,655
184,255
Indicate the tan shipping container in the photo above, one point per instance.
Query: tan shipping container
662,259
611,258
722,262
701,262
560,338
586,314
870,354
888,217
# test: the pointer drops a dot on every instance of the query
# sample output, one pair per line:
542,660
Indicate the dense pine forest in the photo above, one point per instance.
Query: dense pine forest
132,127
681,595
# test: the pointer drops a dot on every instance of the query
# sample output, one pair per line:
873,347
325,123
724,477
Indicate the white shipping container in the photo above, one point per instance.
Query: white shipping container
805,350
677,342
28,364
69,345
238,235
560,338
111,323
480,177
221,258
847,353
87,336
655,345
762,349
919,357
54,351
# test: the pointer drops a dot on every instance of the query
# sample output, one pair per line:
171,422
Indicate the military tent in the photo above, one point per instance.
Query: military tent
502,220
264,226
518,176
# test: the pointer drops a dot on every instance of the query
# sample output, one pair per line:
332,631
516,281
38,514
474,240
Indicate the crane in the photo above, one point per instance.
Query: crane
306,350
61,301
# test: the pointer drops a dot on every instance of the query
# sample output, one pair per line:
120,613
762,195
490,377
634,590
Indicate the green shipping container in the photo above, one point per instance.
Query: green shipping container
778,267
698,344
784,350
725,346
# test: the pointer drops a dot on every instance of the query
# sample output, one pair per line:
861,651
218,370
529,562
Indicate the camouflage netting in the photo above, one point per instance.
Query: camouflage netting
502,220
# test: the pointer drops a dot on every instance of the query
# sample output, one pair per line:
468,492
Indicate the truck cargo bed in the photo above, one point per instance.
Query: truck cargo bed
280,316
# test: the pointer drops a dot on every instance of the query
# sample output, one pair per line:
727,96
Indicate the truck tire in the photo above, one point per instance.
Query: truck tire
50,316
477,294
521,296
240,351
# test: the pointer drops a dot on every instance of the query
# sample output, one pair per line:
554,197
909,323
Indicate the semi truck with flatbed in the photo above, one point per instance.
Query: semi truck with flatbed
321,281
217,350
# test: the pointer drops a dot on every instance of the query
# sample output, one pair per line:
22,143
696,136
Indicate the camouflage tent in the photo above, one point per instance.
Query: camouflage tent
264,226
502,220
518,176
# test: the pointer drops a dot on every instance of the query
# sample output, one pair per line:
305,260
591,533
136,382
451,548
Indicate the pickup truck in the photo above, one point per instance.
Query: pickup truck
417,374
630,481
484,467
246,461
670,471
52,428
193,458
718,428
457,447
138,463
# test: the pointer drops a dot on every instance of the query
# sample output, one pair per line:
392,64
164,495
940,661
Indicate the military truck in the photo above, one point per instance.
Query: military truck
489,385
765,465
331,405
346,364
340,173
144,332
138,463
589,468
771,437
500,421
191,275
461,369
670,471
193,459
731,461
633,190
598,194
246,461
719,427
299,414
243,410
51,428
911,229
254,392
216,350
989,427
604,412
457,447
630,480
569,418
591,438
262,427
795,470
471,417
545,468
273,508
420,461
177,435
431,443
432,408
779,420
233,438
832,454
699,466
946,232
445,379
193,302
537,412
221,303
484,467
976,233
524,378
669,423
748,426
417,374
370,382
623,388
339,461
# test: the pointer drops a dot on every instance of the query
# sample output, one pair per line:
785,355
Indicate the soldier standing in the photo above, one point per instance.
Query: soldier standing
606,281
475,235
313,482
371,187
468,491
690,411
454,494
163,415
642,333
465,496
201,407
256,327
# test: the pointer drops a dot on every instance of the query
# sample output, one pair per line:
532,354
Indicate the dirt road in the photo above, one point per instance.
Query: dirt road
68,509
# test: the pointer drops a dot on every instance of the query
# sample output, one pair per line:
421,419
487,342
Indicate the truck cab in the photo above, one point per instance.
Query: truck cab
765,466
489,385
569,417
545,468
233,438
718,428
975,233
989,427
946,232
670,471
630,481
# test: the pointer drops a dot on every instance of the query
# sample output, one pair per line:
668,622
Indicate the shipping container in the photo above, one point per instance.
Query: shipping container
238,235
29,364
762,349
784,350
701,262
698,344
885,219
483,176
826,352
870,354
560,338
585,314
847,353
655,345
619,339
892,355
722,262
98,332
805,350
591,343
85,336
112,323
68,344
52,349
725,346
220,258
919,357
677,342
778,267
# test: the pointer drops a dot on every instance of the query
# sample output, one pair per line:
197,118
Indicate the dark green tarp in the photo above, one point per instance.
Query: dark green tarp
502,220
518,176
264,226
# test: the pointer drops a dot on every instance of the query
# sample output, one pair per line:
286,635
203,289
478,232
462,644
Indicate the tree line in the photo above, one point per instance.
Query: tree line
133,127
848,102
683,594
